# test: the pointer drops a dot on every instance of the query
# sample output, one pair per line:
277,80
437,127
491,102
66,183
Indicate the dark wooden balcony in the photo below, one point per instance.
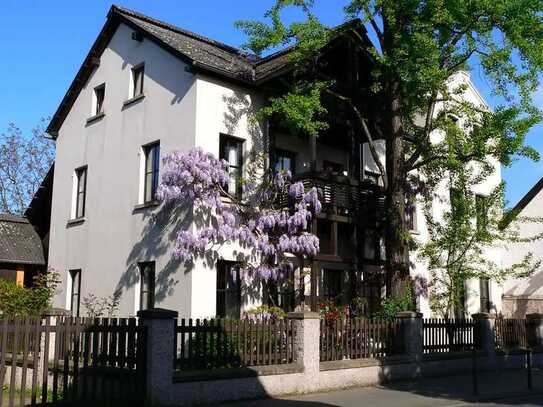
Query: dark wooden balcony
344,196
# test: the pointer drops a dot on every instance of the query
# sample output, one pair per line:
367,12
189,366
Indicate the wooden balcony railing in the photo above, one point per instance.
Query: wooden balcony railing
343,195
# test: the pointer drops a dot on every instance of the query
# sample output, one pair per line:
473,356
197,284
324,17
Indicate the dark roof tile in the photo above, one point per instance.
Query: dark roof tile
19,242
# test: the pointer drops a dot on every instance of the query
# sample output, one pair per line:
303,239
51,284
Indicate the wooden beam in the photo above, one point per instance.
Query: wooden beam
20,278
313,146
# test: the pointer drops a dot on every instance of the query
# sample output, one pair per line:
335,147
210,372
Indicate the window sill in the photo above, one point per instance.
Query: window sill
75,222
146,205
95,118
133,100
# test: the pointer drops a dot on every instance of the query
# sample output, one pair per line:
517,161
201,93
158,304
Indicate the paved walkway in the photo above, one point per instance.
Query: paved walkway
506,388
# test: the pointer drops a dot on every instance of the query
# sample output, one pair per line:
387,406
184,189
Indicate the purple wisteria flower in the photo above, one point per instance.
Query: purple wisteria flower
271,234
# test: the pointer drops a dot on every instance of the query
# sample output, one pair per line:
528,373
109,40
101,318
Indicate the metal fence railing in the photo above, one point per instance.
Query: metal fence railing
447,335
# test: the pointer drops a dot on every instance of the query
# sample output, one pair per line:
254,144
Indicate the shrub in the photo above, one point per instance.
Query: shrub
23,301
100,306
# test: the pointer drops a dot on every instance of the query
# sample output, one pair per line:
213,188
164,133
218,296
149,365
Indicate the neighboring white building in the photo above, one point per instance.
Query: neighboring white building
148,88
525,295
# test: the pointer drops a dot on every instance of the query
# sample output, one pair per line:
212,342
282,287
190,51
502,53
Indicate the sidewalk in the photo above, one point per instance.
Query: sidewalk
495,389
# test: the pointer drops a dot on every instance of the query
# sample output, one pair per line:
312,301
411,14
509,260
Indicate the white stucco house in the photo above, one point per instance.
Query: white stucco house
148,88
525,295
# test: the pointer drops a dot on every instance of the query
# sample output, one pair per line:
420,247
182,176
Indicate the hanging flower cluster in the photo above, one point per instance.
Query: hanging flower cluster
270,232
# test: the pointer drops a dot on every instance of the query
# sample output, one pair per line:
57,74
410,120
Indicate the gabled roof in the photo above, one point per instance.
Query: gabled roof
200,52
524,201
19,242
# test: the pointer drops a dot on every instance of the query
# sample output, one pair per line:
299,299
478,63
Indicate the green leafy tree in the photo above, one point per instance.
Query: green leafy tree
465,241
419,45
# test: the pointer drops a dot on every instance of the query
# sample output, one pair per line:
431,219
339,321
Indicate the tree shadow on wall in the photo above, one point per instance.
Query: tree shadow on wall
156,240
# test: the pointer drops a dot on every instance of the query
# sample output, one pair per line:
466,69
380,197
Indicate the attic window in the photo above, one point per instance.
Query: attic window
137,80
99,96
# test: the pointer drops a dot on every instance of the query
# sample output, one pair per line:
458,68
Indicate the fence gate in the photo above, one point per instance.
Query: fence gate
72,361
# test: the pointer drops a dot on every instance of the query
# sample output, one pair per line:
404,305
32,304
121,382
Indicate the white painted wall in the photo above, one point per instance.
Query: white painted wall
223,108
529,288
114,236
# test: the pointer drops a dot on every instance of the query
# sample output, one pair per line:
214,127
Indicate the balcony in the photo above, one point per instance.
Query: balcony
344,196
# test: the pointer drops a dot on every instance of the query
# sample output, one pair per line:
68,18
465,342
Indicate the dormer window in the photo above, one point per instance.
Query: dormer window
99,96
137,80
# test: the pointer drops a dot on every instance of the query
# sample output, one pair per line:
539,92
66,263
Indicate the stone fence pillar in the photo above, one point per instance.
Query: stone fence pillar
411,338
483,333
307,344
160,325
535,330
484,337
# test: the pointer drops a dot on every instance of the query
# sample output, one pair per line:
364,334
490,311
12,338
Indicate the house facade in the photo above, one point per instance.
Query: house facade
525,295
146,89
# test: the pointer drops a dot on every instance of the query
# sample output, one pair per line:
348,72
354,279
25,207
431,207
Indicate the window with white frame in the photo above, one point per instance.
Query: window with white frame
137,80
231,150
228,301
150,171
80,193
147,285
75,290
285,161
98,100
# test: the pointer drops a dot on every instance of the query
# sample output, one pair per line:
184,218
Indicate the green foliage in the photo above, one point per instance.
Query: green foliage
23,301
299,109
454,140
391,306
463,240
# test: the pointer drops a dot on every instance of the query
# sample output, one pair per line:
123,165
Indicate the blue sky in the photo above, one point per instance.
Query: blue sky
42,44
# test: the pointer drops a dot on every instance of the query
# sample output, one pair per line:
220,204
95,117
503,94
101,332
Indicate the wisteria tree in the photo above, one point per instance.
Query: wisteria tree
275,238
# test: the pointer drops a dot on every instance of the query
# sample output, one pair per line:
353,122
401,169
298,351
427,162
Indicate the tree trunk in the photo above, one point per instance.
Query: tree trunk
396,233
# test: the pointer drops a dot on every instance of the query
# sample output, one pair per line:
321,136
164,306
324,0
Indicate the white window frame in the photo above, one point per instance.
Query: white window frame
142,159
94,105
75,190
131,87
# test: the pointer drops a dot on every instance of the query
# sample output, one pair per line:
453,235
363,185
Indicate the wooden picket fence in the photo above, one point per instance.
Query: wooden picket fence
447,335
78,360
512,333
359,338
219,343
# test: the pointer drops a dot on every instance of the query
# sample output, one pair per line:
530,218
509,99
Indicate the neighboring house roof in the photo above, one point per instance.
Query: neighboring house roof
19,242
200,52
524,201
38,212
